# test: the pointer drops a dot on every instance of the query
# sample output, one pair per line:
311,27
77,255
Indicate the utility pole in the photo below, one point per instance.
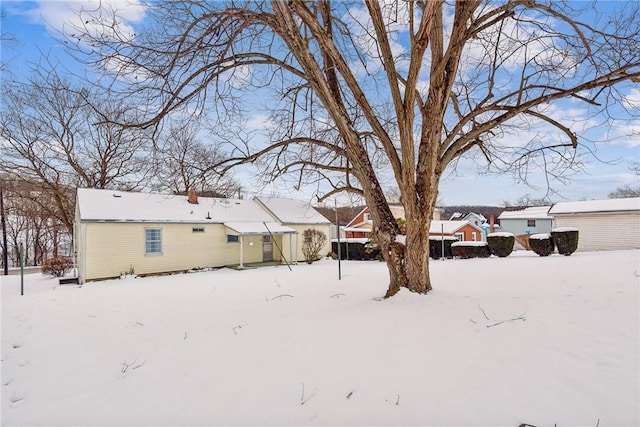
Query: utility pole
5,252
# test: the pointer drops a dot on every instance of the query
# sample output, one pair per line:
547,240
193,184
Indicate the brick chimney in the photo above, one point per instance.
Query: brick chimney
192,196
492,223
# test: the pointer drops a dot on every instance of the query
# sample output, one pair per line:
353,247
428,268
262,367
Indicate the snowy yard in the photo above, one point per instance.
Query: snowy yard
499,342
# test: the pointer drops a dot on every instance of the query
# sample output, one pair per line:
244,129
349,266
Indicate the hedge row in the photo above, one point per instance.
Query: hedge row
467,250
354,251
499,244
564,239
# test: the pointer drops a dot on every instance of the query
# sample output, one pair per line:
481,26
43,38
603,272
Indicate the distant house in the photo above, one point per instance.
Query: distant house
361,226
474,218
463,230
526,221
116,232
603,224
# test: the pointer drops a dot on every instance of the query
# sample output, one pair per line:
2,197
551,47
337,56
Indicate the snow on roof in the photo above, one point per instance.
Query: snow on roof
594,206
122,206
450,227
290,211
536,212
259,228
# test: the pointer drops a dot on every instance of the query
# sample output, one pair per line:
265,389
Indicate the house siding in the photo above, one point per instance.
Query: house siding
519,226
113,248
604,231
293,245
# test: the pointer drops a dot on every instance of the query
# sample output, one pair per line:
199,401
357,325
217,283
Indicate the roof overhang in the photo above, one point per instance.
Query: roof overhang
249,228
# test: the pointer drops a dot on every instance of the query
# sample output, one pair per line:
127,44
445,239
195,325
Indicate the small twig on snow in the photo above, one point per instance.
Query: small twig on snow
398,400
521,317
238,327
337,296
349,395
185,335
472,321
283,295
302,398
482,310
132,365
526,425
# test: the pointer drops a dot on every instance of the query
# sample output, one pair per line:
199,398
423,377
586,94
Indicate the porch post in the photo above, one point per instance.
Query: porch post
241,250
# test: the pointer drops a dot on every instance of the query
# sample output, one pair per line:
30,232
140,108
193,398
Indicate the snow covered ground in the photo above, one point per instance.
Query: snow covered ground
499,342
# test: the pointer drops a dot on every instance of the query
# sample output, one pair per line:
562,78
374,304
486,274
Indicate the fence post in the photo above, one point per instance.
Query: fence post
21,269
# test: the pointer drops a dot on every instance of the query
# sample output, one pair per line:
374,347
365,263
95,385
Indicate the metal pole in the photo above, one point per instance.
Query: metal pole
5,250
21,269
339,249
442,242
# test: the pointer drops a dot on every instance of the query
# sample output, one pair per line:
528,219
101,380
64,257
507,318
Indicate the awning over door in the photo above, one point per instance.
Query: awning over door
249,228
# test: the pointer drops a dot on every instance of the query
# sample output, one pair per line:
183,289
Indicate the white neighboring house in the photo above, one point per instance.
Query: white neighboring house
118,232
602,224
526,221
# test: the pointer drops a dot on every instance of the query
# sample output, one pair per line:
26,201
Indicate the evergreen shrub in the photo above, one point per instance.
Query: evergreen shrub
565,239
435,246
466,250
542,244
57,266
355,251
501,244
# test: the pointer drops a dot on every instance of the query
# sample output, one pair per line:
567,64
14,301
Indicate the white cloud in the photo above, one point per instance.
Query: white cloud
259,122
69,17
632,100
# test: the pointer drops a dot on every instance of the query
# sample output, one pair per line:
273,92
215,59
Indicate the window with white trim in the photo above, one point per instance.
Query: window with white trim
153,240
460,236
473,236
531,223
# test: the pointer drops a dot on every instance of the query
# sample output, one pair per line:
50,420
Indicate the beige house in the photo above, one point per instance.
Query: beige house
119,232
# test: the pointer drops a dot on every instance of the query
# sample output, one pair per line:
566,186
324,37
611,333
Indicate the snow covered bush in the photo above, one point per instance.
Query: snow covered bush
565,239
435,246
57,266
312,243
501,244
542,244
466,250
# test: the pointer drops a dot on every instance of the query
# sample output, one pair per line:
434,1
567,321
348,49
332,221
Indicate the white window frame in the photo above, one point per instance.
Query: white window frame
152,241
474,237
460,236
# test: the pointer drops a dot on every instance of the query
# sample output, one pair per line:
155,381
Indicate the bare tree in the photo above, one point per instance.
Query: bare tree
183,162
627,191
55,138
367,95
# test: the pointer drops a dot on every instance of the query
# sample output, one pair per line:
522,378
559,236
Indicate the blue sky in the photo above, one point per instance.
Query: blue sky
32,25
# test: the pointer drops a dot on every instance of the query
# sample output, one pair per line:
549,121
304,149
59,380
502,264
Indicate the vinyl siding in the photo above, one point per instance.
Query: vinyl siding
114,248
519,226
604,231
295,247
